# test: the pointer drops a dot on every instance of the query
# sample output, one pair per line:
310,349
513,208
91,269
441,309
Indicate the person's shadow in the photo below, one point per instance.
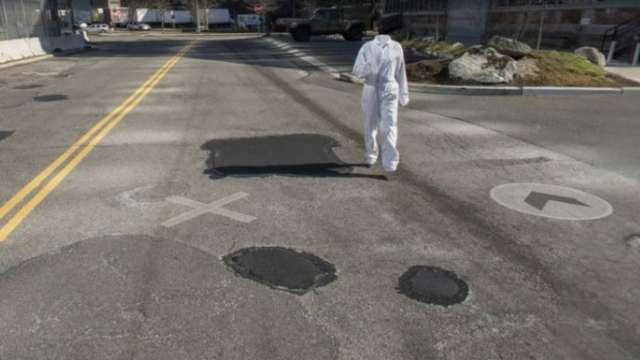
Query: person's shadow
285,155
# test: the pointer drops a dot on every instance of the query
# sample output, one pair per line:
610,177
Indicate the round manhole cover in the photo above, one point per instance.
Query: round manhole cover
433,285
282,268
52,97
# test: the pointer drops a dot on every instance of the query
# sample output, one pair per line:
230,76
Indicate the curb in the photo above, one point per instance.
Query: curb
467,90
520,91
25,61
556,90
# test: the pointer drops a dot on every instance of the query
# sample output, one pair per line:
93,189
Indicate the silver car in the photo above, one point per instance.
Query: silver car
138,26
99,29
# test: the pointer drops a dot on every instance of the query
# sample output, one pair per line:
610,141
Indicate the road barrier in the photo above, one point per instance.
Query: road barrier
18,49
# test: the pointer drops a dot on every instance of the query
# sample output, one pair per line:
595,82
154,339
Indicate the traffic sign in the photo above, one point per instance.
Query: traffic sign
551,201
258,8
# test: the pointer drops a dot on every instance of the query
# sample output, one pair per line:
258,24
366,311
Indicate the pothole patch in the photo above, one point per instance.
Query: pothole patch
433,285
50,97
5,134
27,86
295,155
282,268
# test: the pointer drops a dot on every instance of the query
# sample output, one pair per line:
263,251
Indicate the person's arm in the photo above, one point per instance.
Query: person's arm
401,78
362,68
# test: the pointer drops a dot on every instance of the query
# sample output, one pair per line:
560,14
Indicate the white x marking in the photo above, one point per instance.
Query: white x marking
199,209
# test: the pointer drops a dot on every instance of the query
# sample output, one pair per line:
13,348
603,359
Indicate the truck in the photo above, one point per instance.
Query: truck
325,21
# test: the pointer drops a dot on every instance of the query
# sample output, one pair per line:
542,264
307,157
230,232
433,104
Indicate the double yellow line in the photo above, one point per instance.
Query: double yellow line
85,144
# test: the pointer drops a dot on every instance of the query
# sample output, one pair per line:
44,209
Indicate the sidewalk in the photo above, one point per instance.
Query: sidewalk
627,71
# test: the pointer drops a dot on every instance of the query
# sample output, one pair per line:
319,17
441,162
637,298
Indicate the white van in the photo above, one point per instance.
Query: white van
248,21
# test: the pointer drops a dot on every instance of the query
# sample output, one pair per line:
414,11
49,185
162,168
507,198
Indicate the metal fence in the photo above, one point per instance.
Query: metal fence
28,18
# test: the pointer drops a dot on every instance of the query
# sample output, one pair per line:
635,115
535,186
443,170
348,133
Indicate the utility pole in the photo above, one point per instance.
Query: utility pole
197,16
540,27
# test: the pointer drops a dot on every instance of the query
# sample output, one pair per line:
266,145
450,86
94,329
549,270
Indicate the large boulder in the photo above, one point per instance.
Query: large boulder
594,55
511,47
483,65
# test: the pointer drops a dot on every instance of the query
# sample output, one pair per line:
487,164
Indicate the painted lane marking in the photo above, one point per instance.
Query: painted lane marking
199,209
551,201
304,57
42,176
103,128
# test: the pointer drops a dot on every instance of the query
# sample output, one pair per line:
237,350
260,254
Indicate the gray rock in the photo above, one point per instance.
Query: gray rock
594,55
510,47
483,65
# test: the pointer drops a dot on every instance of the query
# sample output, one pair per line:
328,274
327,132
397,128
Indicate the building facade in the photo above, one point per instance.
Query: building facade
564,23
30,19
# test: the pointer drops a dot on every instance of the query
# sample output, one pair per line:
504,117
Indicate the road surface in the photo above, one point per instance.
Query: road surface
114,247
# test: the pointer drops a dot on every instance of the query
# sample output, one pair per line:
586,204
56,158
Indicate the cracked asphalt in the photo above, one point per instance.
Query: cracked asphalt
91,272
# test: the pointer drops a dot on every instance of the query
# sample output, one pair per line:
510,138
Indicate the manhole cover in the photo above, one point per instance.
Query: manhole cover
5,134
433,285
52,97
282,268
27,86
298,154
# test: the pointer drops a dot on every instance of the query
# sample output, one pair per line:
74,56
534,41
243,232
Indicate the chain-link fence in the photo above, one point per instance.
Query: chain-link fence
28,18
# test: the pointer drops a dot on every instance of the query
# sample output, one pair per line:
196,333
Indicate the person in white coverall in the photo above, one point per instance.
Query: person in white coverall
381,63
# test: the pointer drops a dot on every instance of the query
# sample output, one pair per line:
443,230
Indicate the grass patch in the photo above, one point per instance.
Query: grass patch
568,69
455,49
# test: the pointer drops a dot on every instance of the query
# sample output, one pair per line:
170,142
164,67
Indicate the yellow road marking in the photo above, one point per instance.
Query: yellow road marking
103,127
37,181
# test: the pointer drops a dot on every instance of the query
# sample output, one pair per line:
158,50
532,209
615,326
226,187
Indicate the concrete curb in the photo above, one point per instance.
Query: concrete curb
25,61
519,91
467,90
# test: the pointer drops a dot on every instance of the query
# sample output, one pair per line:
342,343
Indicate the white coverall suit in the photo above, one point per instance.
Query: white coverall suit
381,63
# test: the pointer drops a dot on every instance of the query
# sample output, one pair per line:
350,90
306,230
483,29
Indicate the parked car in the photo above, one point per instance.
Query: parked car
99,29
138,26
325,21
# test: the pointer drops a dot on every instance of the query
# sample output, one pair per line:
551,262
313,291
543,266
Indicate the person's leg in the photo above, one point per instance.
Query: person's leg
389,129
371,116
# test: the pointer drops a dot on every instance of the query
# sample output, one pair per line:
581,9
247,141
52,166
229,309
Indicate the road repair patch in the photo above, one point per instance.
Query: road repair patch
282,268
5,134
433,285
551,201
294,155
50,97
169,300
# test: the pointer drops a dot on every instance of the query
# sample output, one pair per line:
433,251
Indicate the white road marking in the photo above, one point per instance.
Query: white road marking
551,201
199,209
304,57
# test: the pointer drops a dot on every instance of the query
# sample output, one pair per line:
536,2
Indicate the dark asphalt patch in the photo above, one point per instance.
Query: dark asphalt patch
294,155
51,97
27,86
5,134
433,285
282,268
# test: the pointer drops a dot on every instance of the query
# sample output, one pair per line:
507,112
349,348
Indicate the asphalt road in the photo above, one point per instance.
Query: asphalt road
118,252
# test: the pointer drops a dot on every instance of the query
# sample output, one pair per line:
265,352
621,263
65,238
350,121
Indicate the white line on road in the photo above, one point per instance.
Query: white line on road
199,209
304,57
